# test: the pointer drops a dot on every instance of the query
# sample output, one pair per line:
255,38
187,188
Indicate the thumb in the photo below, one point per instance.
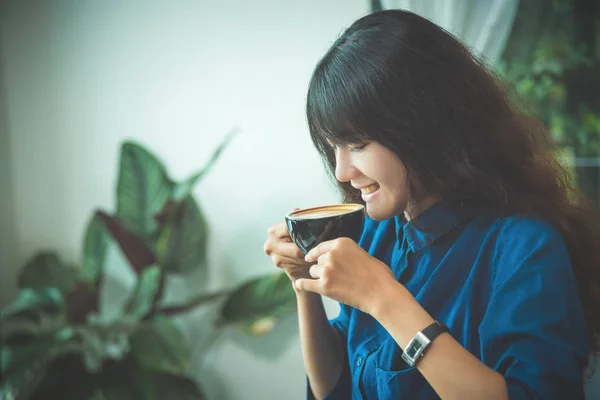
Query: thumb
308,285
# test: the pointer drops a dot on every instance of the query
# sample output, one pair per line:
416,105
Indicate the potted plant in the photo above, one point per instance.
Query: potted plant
553,59
57,343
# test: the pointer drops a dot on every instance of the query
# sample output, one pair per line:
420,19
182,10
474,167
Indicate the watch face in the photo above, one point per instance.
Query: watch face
414,349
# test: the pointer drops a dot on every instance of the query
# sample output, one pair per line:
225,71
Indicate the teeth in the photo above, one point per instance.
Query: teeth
370,189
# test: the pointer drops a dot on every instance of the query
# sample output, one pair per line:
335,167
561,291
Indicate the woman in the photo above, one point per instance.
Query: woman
472,225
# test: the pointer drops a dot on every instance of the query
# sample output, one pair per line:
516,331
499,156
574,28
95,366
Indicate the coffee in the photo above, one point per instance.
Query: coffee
326,211
311,226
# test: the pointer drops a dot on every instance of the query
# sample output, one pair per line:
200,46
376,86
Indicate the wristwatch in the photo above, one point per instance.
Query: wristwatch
416,347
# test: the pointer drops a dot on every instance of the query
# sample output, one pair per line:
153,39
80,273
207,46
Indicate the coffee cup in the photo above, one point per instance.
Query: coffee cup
311,226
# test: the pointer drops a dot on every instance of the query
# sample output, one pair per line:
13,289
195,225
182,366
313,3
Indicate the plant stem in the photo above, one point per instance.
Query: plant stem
192,303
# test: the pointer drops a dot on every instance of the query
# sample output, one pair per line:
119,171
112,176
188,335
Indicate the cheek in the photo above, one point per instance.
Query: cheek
395,182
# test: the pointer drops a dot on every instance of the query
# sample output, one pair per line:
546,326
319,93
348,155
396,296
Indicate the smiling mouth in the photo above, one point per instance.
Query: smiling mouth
370,189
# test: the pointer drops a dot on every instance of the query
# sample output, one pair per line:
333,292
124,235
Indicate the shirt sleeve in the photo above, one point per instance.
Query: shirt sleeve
343,387
533,330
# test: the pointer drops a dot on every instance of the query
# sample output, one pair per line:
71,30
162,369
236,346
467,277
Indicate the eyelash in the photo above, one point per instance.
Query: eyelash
356,149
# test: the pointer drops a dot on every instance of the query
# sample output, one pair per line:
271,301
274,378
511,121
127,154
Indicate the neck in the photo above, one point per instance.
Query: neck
413,210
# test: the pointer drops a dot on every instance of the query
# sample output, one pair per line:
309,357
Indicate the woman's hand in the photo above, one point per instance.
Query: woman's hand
346,273
285,254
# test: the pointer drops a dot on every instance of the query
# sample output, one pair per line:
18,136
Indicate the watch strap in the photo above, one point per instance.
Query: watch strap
422,340
434,330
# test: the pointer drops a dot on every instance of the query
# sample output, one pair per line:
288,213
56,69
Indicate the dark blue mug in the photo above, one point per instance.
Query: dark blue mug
311,226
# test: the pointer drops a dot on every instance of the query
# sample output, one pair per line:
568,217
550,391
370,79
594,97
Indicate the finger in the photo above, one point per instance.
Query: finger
316,271
324,259
308,285
286,249
319,250
283,246
277,245
283,261
300,271
279,231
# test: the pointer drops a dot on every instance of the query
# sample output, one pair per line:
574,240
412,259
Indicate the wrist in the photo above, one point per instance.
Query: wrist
389,298
398,311
306,296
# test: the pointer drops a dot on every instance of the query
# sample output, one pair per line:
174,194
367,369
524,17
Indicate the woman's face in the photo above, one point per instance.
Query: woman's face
378,174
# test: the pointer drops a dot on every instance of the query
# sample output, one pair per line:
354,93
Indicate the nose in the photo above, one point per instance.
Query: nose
344,170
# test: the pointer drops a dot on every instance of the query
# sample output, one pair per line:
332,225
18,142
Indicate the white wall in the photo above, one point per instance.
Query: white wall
82,76
7,242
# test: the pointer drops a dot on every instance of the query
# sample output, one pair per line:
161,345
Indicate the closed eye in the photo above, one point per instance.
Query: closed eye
354,148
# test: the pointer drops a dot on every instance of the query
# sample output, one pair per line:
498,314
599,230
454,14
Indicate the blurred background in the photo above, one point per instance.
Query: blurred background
145,148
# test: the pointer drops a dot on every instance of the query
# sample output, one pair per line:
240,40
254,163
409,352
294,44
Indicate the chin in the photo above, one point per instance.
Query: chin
379,213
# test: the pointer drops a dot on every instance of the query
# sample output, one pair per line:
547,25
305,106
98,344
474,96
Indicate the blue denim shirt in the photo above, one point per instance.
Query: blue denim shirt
504,287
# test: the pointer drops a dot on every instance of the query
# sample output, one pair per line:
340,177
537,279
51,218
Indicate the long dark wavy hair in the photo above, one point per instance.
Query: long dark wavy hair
398,79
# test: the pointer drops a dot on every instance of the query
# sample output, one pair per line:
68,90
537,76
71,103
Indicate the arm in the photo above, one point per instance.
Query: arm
346,273
532,335
469,377
322,348
533,343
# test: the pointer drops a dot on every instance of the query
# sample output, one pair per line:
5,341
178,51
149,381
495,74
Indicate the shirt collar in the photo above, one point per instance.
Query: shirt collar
431,224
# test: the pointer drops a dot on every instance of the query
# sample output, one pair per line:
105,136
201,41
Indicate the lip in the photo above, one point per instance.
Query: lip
370,196
366,186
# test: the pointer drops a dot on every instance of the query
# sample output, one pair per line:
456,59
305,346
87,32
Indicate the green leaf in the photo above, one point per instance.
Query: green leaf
102,343
160,346
261,301
13,355
24,328
42,348
95,246
184,189
142,190
128,380
33,302
23,367
21,384
167,387
98,395
81,301
142,299
67,379
45,269
125,380
181,245
133,247
18,328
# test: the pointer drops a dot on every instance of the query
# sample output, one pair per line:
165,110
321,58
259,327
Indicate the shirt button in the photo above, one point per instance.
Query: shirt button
359,361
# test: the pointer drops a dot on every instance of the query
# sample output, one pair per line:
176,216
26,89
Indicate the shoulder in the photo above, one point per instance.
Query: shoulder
528,245
523,232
